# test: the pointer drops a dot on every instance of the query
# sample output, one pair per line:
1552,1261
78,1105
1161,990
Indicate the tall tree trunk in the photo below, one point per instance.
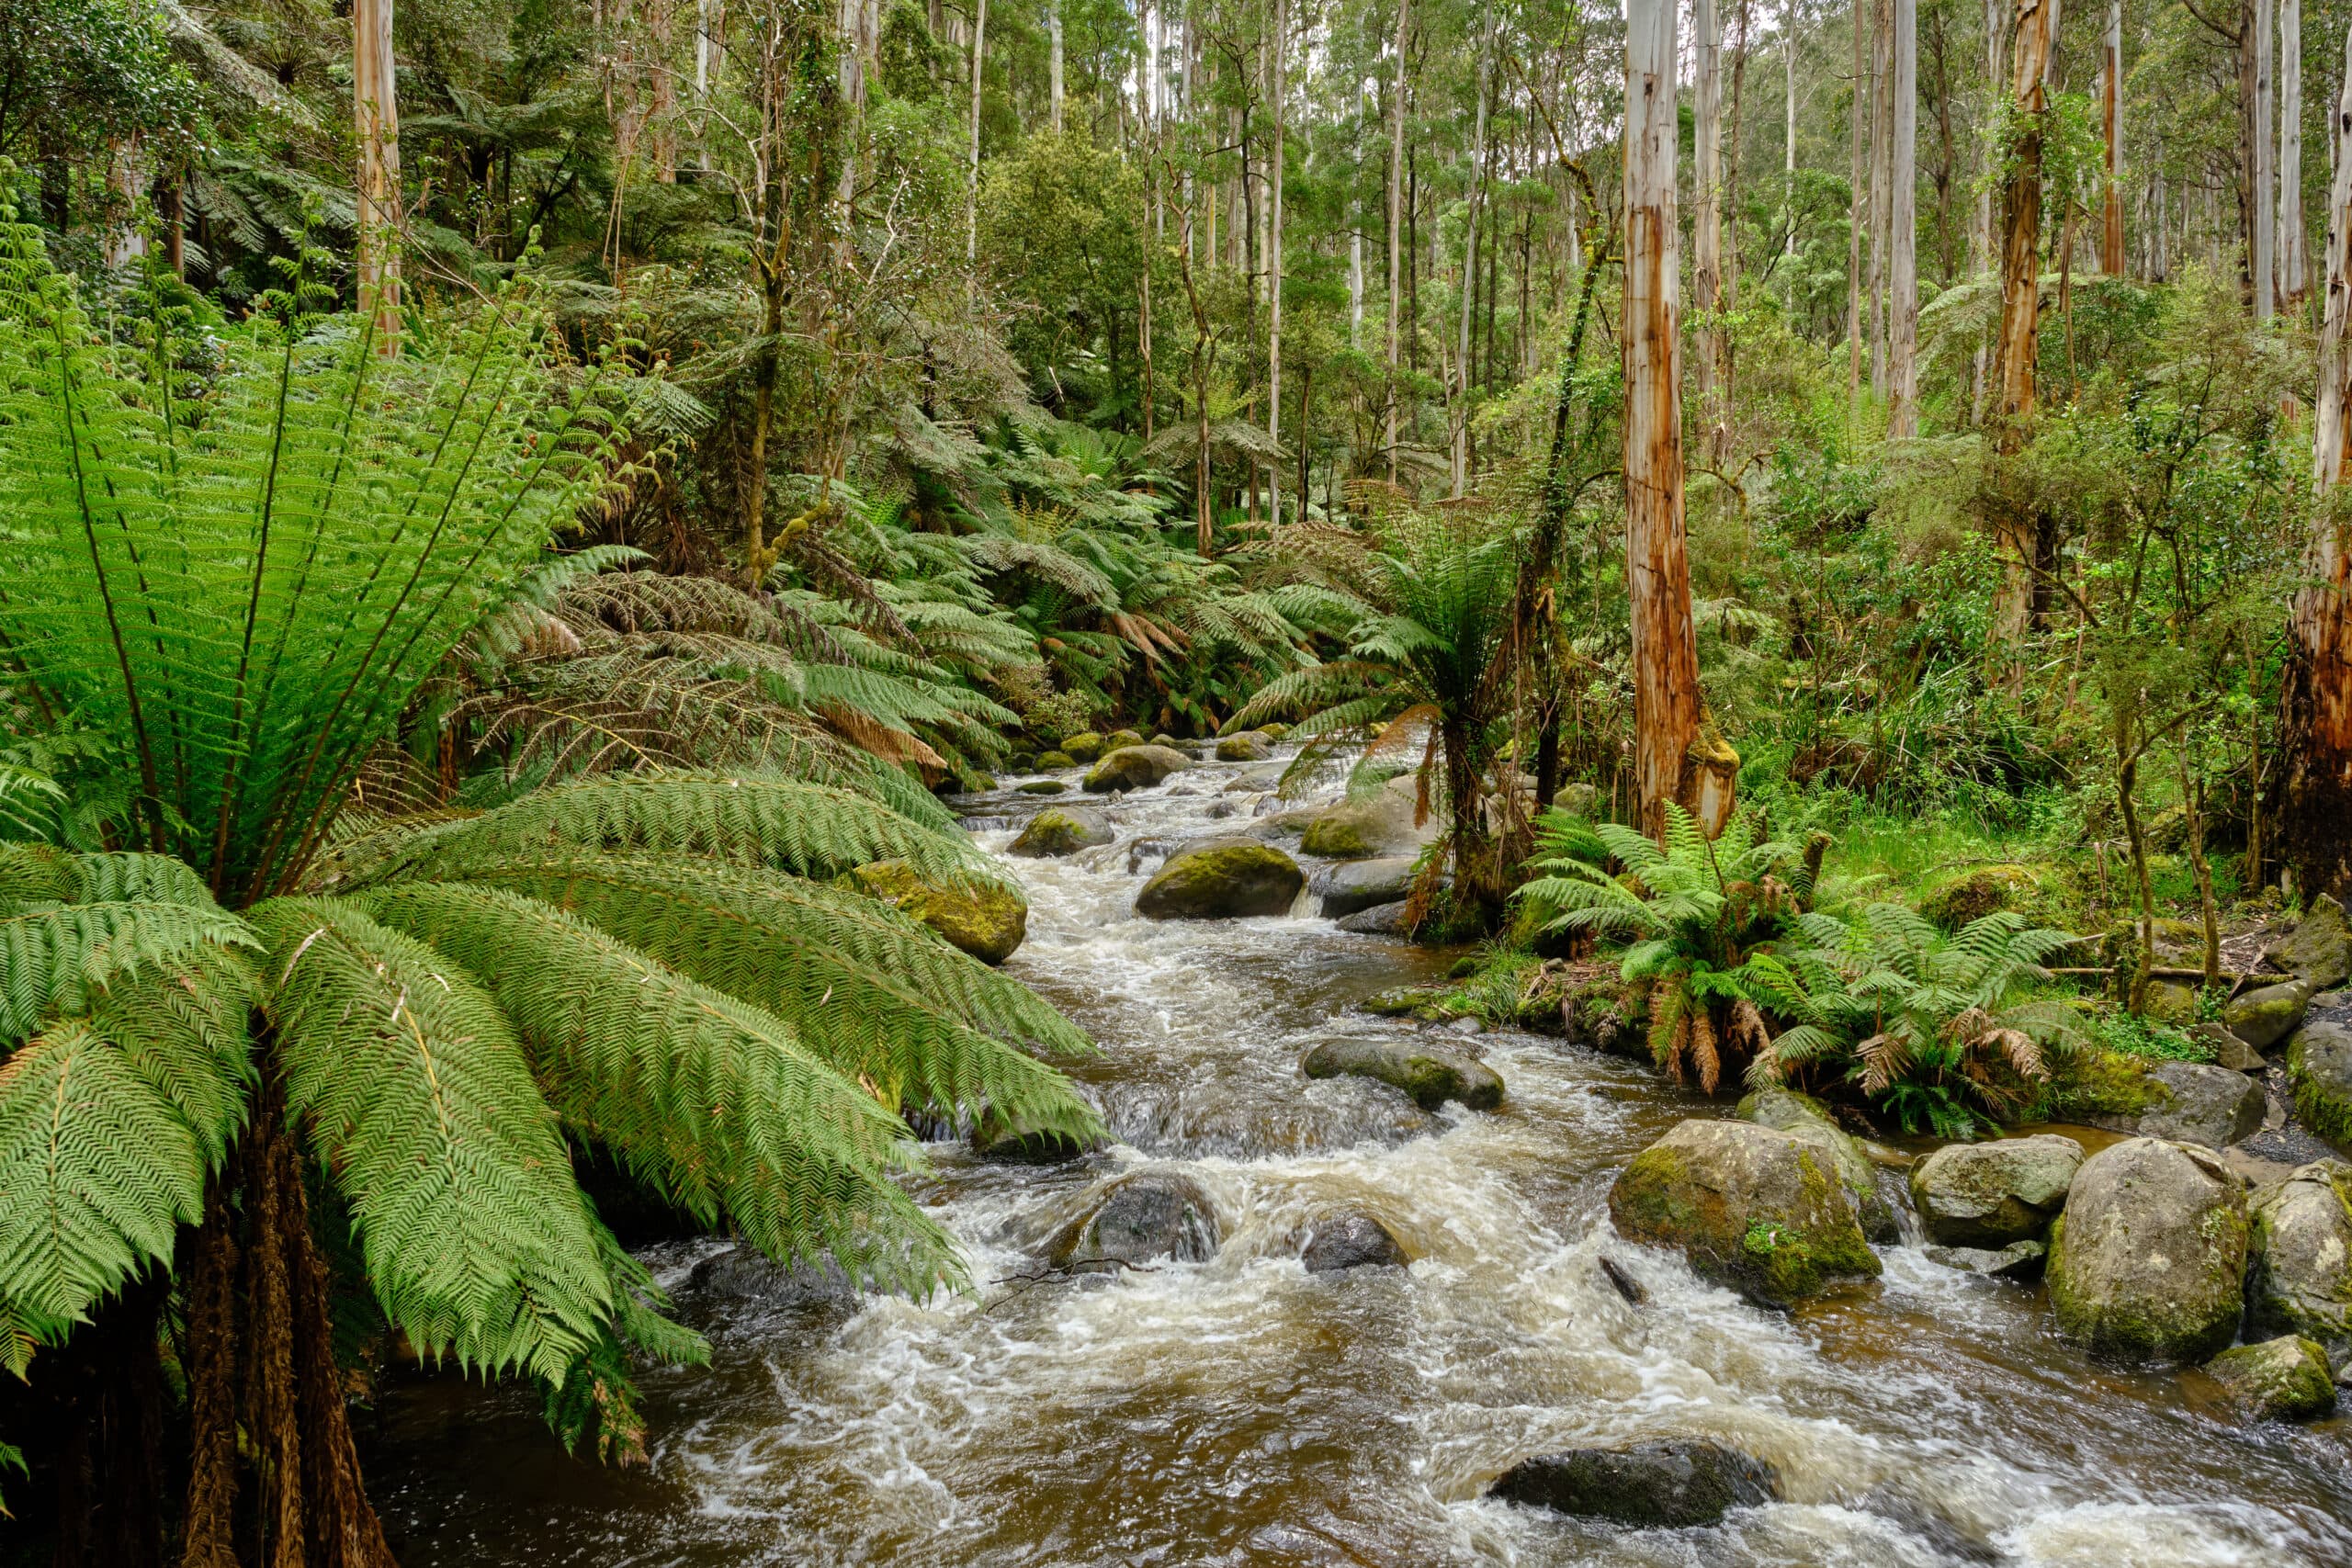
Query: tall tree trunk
1706,200
376,120
2294,246
1882,182
2313,819
1857,217
1470,260
1280,46
2262,215
972,191
1988,246
1727,294
1669,710
1789,142
1054,64
2037,21
1903,305
2111,239
1397,219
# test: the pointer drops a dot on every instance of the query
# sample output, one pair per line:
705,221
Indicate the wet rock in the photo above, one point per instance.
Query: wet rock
1083,747
1222,879
1042,786
1951,1540
1352,1240
1802,1116
1012,1143
1356,885
2318,952
2298,1258
1991,1194
2019,1260
2229,1051
2148,1262
1758,1210
1257,781
1664,1484
2263,1018
1273,731
987,921
2319,1072
2194,1103
1621,1278
1062,831
1247,747
1401,1001
1053,761
1219,810
1119,737
1429,1072
745,1273
1154,1214
1380,919
1134,767
2279,1380
1376,827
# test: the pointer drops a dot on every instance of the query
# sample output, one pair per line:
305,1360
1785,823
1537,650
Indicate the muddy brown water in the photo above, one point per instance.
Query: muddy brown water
1241,1412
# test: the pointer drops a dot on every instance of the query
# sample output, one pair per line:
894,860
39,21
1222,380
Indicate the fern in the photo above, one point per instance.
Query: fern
421,1106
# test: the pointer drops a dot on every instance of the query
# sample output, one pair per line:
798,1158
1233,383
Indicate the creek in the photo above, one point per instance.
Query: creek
1241,1411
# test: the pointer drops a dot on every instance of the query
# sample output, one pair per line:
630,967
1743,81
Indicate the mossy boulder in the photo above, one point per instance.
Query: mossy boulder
1247,747
2279,1380
1802,1116
2299,1269
2171,1001
1119,737
1062,831
1431,1074
1370,829
1044,787
1223,879
1054,761
1988,1195
1273,731
2195,1102
2264,1017
2319,1070
2099,1088
1954,900
2318,952
987,921
1760,1211
1083,747
1134,767
2148,1262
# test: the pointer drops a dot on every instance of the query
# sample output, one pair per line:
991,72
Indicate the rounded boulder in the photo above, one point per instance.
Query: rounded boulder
1154,1214
2299,1269
1134,767
1989,1195
2148,1262
1431,1073
985,920
1223,879
1062,831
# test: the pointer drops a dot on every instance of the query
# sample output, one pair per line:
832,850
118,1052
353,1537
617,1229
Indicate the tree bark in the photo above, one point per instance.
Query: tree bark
2313,819
1989,250
972,191
1274,269
1903,304
2037,21
1857,217
1706,200
1396,221
2111,239
376,121
2262,217
1668,709
1470,260
2294,246
1881,183
1054,64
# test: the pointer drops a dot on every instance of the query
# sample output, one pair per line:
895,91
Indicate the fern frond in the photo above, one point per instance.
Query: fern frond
420,1104
57,958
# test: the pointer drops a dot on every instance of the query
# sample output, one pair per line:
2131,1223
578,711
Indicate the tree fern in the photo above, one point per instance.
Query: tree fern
421,1106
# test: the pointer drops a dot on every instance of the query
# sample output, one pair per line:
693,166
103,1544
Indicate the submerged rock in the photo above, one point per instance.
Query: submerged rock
1671,1484
2148,1262
1429,1072
1358,885
1062,831
1042,786
1761,1210
1989,1195
1247,747
745,1273
1154,1214
1134,767
1802,1116
987,921
2298,1263
1349,1240
2279,1380
2190,1102
2264,1017
1222,879
2019,1260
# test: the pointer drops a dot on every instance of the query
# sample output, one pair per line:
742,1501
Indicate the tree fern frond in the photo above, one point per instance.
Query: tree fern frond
56,958
419,1102
713,1102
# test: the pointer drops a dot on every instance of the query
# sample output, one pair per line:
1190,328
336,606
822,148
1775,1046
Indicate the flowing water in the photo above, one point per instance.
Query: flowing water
1239,1411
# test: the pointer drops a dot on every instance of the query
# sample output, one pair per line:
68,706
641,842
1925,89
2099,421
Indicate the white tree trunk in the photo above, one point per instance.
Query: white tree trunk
1667,704
2110,240
1706,197
1903,304
1470,260
1988,248
1395,221
1882,182
2294,245
2332,433
1789,146
127,174
376,119
1274,269
972,192
2261,263
1054,64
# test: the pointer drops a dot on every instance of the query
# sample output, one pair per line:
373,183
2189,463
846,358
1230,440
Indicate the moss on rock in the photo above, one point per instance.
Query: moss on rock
1221,880
2319,1069
2279,1380
1083,747
987,921
2148,1262
2034,892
